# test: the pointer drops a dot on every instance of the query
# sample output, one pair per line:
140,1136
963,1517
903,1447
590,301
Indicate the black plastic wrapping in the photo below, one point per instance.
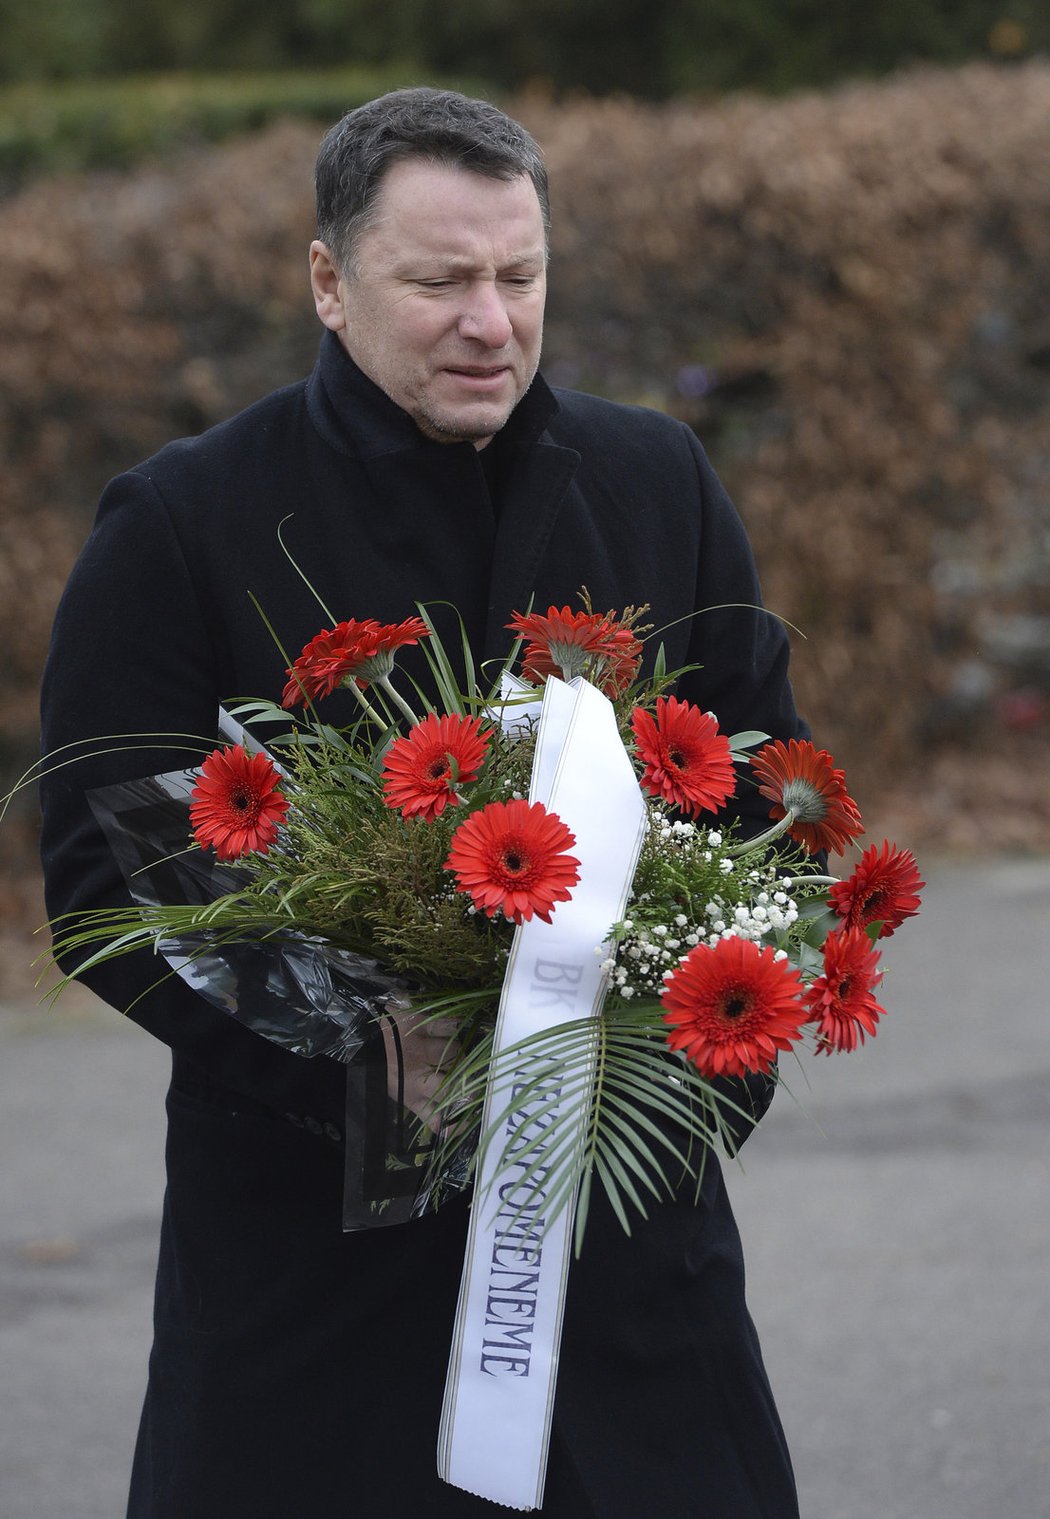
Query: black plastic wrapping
313,999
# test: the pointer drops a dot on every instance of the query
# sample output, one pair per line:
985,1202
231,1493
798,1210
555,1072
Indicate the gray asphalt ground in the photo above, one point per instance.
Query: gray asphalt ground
895,1213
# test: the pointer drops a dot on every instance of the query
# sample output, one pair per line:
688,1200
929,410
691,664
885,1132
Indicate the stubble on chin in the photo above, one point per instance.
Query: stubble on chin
443,425
445,429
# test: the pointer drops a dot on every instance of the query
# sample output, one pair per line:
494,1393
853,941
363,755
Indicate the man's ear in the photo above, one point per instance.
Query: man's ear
325,280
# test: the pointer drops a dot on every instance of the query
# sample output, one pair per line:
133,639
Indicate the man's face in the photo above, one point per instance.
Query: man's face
444,311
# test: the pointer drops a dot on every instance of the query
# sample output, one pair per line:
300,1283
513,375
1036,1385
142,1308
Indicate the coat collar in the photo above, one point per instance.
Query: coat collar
358,419
354,416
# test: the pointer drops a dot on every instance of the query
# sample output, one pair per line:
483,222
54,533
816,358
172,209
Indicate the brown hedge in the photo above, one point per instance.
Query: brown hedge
845,293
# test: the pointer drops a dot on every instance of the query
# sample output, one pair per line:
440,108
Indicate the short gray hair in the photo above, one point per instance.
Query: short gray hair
438,126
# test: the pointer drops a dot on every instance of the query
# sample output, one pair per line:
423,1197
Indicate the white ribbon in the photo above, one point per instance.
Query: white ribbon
499,1396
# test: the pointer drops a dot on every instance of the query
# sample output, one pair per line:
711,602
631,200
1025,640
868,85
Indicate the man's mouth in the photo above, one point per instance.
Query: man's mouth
475,377
477,371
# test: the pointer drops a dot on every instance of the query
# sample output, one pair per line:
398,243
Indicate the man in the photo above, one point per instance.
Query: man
297,1372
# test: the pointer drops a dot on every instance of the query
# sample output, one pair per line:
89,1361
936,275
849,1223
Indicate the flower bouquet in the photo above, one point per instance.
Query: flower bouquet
402,853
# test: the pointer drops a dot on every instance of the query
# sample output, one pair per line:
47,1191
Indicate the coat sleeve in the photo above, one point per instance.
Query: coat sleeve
132,653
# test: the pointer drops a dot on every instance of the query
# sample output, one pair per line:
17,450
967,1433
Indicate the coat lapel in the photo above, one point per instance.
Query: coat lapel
537,480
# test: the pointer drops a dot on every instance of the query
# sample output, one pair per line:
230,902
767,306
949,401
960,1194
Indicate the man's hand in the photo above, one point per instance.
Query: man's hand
419,1052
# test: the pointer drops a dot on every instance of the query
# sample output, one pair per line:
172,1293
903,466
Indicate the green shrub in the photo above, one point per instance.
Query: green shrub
77,124
649,48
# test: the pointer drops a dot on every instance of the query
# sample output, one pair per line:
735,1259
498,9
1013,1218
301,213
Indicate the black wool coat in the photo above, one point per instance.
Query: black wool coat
297,1372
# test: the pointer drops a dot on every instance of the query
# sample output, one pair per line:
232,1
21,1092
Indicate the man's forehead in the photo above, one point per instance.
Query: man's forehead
422,189
450,258
454,215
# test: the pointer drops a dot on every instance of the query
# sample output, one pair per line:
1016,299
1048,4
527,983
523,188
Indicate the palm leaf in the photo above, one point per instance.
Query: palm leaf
602,1098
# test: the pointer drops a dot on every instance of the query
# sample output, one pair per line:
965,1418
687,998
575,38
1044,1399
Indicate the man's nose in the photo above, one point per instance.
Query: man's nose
485,317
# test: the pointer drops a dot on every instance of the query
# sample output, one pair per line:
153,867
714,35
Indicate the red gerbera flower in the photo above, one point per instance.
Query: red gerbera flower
422,770
360,651
731,1006
841,1002
571,643
884,889
326,659
687,761
801,779
237,803
511,855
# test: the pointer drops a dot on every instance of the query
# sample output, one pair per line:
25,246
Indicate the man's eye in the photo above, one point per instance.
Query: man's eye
436,284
